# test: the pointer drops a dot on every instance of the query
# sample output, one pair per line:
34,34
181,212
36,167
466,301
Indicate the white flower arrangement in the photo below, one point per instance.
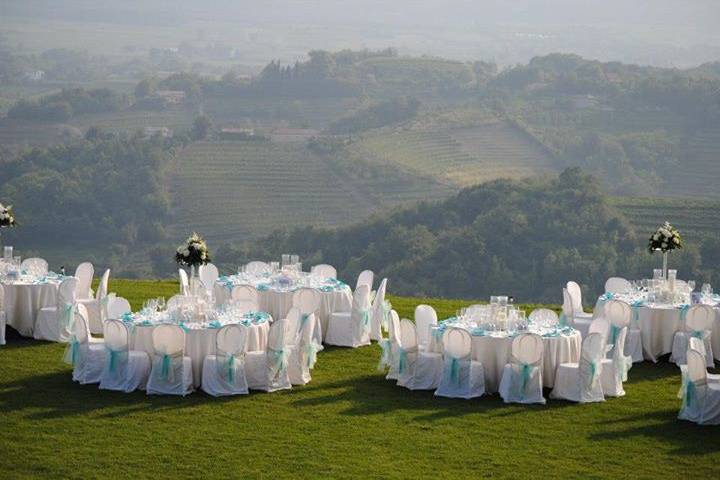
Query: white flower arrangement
665,239
194,252
7,219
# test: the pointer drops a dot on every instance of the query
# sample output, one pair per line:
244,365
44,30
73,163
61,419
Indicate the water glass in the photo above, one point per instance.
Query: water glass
17,260
494,300
275,266
285,259
691,285
8,253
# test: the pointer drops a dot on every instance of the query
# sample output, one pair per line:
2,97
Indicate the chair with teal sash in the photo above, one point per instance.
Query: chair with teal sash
699,323
267,370
209,274
171,372
391,347
544,317
223,372
125,370
303,353
324,271
461,376
618,315
700,392
247,294
580,382
615,285
522,381
417,370
257,268
85,354
579,319
380,312
55,323
117,307
367,278
425,320
351,329
615,369
308,301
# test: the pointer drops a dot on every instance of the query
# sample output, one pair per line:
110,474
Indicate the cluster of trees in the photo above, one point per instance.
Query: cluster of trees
522,238
377,115
108,189
63,105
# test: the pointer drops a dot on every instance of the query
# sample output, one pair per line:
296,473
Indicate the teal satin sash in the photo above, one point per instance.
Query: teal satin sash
452,370
311,350
386,356
72,352
113,357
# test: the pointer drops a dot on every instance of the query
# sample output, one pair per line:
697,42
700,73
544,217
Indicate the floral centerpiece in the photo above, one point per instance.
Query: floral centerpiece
193,254
665,239
7,219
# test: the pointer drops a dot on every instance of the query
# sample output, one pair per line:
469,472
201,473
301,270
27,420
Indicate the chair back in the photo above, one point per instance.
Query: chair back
379,300
600,326
361,304
619,346
257,268
307,331
102,290
245,293
174,302
2,298
700,318
115,335
241,307
617,313
279,335
617,285
324,271
527,348
67,291
209,274
184,282
84,273
366,277
408,335
457,343
696,368
168,339
425,319
575,296
81,327
34,266
307,300
544,316
293,318
567,305
593,346
394,327
231,339
118,307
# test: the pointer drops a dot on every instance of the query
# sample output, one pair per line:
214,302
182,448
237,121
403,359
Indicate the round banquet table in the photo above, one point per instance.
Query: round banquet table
493,351
278,301
199,341
658,323
23,301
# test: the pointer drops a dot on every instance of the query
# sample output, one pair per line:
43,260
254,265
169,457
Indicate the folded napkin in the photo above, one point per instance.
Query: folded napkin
263,287
215,324
607,296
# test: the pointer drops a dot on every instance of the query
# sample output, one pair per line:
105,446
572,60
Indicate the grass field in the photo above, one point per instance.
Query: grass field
347,423
461,157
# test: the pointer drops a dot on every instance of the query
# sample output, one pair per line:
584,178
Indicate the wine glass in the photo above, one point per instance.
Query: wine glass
691,285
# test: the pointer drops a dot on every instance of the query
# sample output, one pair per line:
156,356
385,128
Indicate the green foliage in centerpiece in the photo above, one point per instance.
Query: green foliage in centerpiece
7,219
194,252
665,239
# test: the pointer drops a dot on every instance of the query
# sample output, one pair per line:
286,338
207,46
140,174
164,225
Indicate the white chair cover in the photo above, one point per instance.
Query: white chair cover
184,282
324,270
86,356
522,377
544,316
366,277
3,320
581,382
425,319
461,377
97,306
54,323
391,347
84,273
304,352
245,293
34,266
602,326
257,268
268,370
224,373
209,274
125,370
171,372
117,307
380,312
615,369
617,285
699,321
700,394
353,329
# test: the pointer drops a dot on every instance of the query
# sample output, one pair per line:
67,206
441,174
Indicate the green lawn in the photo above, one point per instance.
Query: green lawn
349,422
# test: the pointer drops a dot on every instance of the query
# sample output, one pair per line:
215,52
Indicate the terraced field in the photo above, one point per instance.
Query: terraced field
238,190
461,157
693,217
699,174
131,120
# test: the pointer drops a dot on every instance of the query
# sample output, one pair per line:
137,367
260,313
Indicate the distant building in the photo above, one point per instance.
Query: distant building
233,133
293,134
162,131
174,97
34,75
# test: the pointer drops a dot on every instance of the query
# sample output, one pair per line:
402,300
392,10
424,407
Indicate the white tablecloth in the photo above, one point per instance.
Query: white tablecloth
278,302
658,324
199,343
494,352
23,301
